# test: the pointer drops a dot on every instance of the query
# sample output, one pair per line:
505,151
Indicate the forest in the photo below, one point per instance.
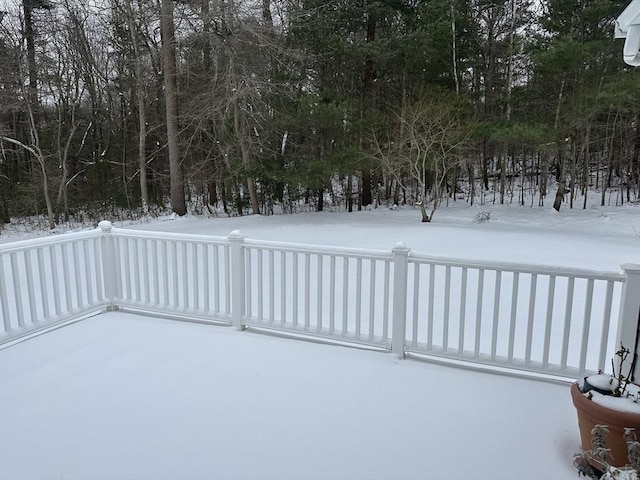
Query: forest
112,108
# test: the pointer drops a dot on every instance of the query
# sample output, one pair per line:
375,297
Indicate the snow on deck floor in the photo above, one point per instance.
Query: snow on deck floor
121,396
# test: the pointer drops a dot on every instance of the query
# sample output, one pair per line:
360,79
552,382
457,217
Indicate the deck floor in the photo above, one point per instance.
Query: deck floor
121,396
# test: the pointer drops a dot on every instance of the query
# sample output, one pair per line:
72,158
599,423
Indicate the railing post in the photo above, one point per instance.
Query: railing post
109,264
237,279
629,315
399,312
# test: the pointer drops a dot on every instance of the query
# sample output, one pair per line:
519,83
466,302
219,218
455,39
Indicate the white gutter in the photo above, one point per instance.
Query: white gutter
628,27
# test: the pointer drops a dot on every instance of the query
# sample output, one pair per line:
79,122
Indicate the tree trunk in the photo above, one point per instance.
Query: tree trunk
61,200
176,173
367,100
572,176
454,52
585,167
244,151
142,119
423,212
635,157
543,180
29,35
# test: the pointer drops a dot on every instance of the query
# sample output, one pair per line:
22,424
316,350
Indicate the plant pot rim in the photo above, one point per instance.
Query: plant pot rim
600,414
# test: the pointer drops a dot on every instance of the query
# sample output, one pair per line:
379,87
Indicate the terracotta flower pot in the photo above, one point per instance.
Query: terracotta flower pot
591,414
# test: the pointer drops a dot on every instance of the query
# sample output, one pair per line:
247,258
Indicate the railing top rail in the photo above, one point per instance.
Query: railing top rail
416,257
155,235
21,245
321,249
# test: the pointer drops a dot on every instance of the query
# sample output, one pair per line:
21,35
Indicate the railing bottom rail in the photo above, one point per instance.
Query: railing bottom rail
35,329
513,370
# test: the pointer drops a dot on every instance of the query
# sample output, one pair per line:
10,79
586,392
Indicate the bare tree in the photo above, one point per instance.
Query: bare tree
30,107
421,147
29,6
141,96
39,156
176,174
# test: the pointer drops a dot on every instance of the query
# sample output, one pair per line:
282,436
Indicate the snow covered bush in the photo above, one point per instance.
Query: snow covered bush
601,455
482,217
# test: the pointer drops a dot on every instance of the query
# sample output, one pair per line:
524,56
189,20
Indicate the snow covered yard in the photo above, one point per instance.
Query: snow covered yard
119,396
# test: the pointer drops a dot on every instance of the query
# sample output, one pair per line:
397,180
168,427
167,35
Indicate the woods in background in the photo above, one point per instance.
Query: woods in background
278,105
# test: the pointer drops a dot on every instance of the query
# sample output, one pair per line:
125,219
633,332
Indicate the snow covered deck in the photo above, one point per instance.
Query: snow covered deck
121,396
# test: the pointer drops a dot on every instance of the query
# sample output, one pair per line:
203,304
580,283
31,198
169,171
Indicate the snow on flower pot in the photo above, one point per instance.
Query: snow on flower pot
617,413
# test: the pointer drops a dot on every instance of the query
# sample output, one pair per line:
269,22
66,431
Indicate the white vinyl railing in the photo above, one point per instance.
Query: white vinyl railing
187,276
50,280
543,320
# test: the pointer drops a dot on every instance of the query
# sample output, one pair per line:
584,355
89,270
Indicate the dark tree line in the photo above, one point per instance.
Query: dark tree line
277,105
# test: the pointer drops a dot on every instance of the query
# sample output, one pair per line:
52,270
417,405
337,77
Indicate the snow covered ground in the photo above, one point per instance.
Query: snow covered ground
600,238
123,397
120,396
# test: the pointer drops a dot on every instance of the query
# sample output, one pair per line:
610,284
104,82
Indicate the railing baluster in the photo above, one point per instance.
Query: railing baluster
146,280
530,318
496,314
272,281
549,319
432,277
76,272
294,306
173,270
345,294
260,282
44,286
55,280
98,248
606,321
172,274
206,305
307,290
30,287
514,311
332,294
88,272
164,251
447,302
185,274
386,301
358,296
586,324
216,279
463,310
125,254
248,282
227,279
567,323
135,265
195,267
165,273
479,297
17,294
66,277
4,303
319,294
372,297
416,304
283,287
